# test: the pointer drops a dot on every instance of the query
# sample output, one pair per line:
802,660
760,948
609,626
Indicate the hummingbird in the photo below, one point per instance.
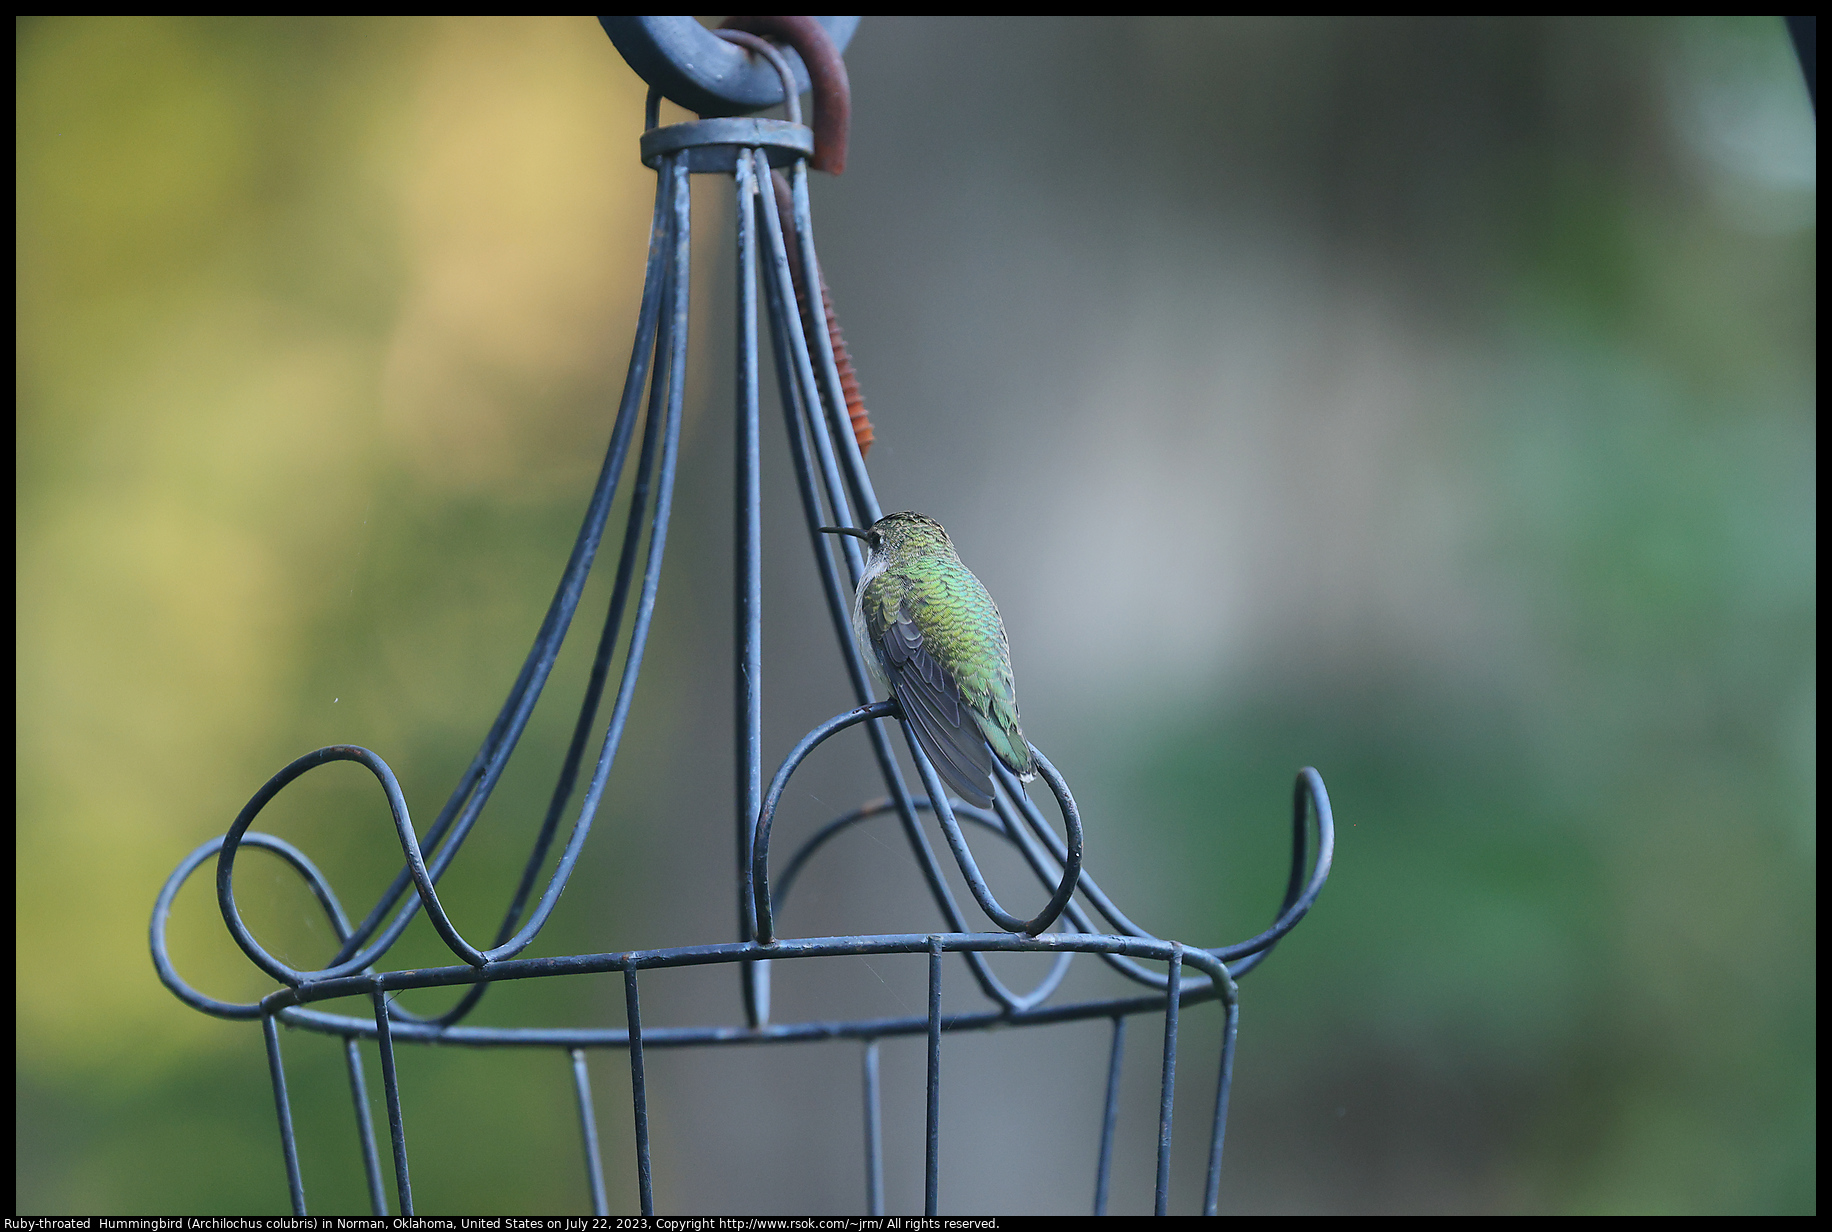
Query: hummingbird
932,635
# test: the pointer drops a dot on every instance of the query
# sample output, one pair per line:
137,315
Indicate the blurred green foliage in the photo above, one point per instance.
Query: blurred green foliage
318,325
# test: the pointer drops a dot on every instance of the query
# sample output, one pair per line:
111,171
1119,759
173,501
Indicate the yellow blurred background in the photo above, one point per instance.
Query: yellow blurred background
1431,402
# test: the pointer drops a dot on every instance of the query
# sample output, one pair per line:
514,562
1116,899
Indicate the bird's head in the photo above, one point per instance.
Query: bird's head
900,536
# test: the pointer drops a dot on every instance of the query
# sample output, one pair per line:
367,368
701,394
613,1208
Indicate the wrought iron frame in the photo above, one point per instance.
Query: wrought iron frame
835,489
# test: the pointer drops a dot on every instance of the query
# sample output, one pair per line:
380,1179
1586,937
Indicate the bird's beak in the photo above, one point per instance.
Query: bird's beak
854,531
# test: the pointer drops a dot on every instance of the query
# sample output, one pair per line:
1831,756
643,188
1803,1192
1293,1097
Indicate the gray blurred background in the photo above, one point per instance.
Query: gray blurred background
1430,402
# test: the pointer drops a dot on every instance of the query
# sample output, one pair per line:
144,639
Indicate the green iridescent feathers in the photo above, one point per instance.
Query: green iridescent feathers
936,637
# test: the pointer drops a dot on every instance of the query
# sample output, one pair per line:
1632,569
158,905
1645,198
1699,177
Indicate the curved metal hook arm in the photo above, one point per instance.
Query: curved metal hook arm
760,847
1309,788
1071,871
1299,897
760,844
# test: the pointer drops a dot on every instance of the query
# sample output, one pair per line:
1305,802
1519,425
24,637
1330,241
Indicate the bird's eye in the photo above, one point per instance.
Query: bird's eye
874,539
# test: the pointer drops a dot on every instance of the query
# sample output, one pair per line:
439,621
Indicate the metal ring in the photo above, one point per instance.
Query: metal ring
714,145
693,67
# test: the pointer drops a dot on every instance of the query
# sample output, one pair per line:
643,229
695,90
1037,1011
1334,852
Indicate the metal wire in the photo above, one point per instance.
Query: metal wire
588,1131
834,489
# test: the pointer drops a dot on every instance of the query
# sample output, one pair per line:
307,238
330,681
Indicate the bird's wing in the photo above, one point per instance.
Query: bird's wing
931,700
994,707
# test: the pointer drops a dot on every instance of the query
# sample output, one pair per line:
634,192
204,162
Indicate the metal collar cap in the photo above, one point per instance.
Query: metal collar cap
713,145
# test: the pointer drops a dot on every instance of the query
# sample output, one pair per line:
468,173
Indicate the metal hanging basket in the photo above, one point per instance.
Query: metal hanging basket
778,282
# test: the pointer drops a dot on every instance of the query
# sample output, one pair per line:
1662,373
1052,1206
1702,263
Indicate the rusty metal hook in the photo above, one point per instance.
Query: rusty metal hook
827,74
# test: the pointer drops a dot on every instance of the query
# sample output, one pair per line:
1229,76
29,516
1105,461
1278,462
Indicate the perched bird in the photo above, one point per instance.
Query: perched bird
932,635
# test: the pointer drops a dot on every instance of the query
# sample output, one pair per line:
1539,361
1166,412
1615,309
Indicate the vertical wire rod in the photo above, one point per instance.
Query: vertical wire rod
931,1183
391,1091
874,1133
1110,1116
1224,1085
289,1147
365,1127
747,616
588,1126
639,1095
1169,1090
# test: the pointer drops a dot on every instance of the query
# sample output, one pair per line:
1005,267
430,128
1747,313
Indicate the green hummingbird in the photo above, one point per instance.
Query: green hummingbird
932,635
